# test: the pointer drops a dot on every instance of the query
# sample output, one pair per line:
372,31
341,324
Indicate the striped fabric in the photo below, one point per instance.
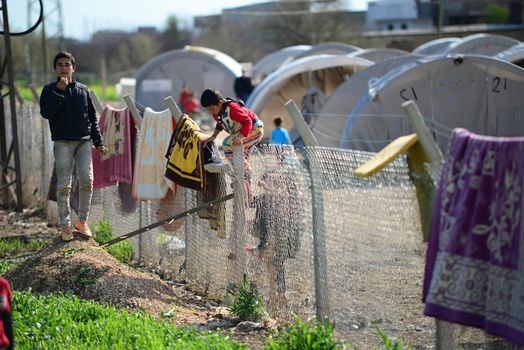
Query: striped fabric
249,142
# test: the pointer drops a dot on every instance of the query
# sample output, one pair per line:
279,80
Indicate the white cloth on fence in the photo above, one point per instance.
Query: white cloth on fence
149,181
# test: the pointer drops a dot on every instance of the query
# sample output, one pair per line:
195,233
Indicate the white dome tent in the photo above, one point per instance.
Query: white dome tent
482,44
435,47
333,116
271,62
479,93
378,55
201,68
514,54
292,81
329,48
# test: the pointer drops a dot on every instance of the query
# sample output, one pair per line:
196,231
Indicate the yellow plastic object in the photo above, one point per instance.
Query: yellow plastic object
386,155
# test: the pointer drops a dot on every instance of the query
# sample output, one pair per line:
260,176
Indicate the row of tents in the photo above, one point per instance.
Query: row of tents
352,97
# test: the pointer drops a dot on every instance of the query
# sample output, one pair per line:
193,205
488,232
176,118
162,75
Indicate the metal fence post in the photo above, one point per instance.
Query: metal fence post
319,229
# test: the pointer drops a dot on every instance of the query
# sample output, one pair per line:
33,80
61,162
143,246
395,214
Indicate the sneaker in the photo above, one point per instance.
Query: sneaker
82,228
66,233
219,168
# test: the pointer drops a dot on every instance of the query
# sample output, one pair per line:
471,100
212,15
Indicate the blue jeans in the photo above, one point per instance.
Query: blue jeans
67,154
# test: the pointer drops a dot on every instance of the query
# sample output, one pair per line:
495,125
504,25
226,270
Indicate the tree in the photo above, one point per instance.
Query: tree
173,37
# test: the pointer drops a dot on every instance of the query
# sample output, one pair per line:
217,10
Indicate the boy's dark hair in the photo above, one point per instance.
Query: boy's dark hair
278,122
210,98
63,54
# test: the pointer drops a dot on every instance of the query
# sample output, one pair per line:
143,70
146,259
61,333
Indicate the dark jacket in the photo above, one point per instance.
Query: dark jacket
71,114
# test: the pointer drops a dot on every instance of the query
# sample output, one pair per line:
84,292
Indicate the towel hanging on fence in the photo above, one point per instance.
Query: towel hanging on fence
475,262
116,165
149,181
185,165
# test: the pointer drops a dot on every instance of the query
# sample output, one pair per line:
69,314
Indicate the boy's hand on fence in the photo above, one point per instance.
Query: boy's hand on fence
209,139
255,251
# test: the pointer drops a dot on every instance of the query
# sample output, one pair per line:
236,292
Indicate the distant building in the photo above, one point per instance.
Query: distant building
260,11
386,15
392,15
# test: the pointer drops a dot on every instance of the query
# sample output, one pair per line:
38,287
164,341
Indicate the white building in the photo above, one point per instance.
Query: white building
386,15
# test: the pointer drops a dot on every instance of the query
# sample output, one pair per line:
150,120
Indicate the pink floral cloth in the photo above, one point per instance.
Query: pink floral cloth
116,165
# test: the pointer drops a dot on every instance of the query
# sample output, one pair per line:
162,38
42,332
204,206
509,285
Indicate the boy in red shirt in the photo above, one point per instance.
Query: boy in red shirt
242,125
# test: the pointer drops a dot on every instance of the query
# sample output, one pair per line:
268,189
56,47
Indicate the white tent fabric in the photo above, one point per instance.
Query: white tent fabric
435,47
333,116
326,72
201,68
271,62
482,44
479,93
378,55
514,54
329,48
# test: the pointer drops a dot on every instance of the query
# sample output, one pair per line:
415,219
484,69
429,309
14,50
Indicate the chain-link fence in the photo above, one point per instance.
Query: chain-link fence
328,243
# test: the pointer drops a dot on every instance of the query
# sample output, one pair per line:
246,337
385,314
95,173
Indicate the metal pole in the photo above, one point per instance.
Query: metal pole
440,17
319,229
12,104
44,52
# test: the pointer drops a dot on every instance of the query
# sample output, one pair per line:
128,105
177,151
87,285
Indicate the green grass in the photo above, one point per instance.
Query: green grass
102,232
303,335
66,322
13,246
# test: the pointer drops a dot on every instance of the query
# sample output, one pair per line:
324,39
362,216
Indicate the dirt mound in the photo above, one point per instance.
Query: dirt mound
82,268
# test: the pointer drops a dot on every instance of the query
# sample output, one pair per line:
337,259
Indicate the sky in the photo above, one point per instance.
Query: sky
81,18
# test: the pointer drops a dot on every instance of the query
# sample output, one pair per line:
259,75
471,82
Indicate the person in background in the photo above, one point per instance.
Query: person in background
243,86
279,224
6,320
185,95
279,135
68,107
190,105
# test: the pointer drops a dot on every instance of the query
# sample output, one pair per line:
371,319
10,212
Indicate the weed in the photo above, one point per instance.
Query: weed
303,335
81,279
389,344
247,304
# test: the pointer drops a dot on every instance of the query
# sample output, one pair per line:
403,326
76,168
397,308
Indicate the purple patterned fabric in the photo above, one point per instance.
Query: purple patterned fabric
475,262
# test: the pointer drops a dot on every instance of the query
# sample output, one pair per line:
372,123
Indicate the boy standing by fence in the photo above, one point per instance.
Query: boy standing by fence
242,125
72,119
